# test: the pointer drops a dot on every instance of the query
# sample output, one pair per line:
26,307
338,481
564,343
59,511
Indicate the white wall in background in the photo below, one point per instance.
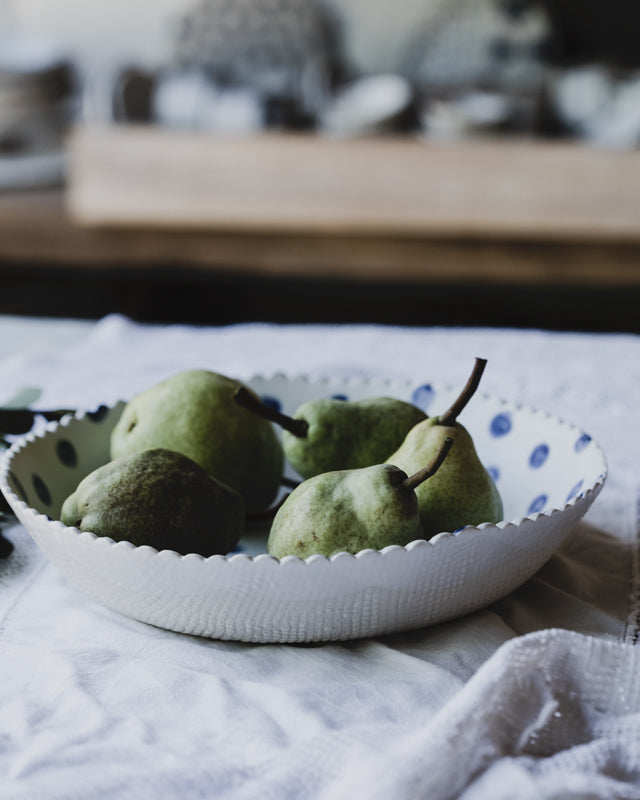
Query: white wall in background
375,32
101,32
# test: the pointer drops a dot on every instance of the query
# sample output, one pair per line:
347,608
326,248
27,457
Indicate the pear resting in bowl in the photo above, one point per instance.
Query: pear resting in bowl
197,455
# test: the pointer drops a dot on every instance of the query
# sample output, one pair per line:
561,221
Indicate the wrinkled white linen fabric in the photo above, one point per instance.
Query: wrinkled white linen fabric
537,696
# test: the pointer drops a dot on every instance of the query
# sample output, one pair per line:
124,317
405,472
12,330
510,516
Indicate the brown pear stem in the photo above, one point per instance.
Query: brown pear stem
243,397
412,481
450,416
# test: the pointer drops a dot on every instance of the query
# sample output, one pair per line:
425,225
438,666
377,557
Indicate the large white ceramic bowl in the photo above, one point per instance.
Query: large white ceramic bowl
548,472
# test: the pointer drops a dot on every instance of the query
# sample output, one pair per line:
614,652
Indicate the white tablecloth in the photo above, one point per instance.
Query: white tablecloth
537,696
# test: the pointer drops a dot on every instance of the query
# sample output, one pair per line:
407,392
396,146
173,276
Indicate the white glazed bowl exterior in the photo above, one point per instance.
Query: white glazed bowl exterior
548,471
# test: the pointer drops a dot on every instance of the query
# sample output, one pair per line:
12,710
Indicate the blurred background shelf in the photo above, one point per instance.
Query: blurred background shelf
133,177
538,227
184,227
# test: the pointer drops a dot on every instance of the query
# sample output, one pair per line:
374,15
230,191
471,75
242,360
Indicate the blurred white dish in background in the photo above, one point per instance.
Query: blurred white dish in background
189,100
36,95
598,105
366,105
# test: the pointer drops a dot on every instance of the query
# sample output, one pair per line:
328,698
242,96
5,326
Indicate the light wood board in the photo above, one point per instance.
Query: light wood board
145,177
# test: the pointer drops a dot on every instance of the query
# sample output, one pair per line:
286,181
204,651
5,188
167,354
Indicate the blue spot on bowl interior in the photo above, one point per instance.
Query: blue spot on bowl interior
581,442
423,396
66,453
537,504
538,456
575,490
342,397
99,414
18,488
41,489
494,472
272,402
501,424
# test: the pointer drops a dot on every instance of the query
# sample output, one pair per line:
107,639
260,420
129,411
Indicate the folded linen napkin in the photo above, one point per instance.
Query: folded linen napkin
553,714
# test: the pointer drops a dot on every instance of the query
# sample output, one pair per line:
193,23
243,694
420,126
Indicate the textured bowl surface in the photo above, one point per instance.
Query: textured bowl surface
548,472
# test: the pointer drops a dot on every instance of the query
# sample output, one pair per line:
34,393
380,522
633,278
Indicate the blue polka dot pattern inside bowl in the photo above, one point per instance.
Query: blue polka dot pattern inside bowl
494,472
99,414
582,441
501,424
44,495
423,396
575,490
66,453
272,402
539,456
538,504
18,488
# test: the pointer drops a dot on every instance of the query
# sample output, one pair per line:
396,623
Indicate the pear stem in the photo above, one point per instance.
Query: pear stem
450,416
243,397
432,467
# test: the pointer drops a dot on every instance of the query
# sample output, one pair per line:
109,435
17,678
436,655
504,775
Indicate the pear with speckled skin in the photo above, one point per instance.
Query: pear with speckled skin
193,412
326,434
348,434
159,498
351,510
463,492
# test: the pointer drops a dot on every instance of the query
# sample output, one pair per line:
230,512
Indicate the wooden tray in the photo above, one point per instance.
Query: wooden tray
139,177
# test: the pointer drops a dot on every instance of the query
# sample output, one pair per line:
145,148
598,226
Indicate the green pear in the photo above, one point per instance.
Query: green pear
160,498
463,492
327,434
351,510
193,412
